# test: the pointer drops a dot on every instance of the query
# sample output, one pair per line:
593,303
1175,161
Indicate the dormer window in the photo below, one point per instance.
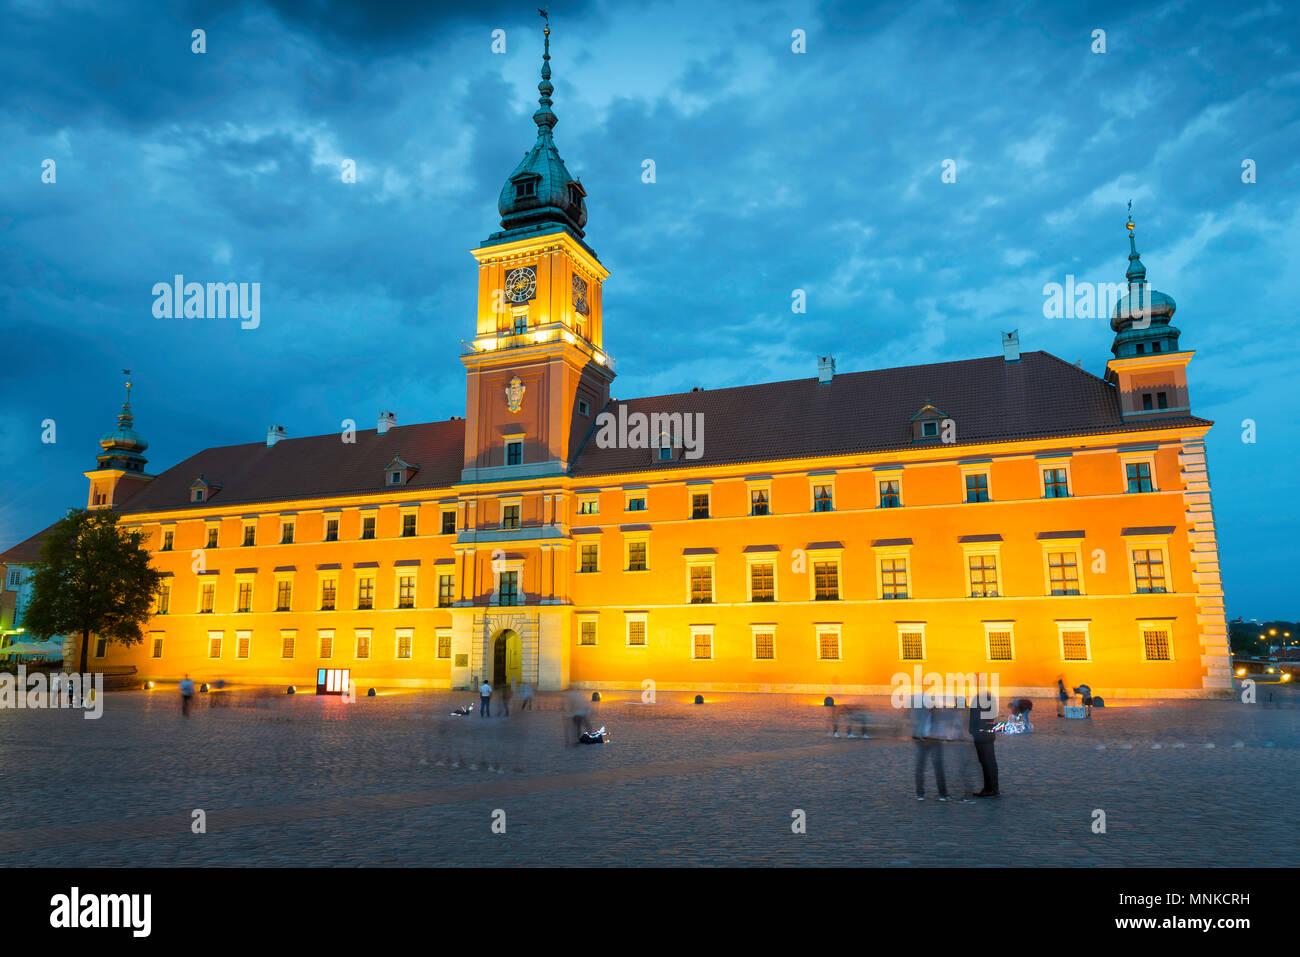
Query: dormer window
202,489
526,188
930,430
928,423
399,472
394,478
576,192
196,495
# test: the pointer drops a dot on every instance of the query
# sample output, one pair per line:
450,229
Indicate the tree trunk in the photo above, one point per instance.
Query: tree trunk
85,648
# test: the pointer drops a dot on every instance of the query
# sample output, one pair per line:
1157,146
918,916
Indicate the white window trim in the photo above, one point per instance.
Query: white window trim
693,561
819,555
1150,543
582,618
895,552
442,511
249,579
360,575
628,619
762,485
592,542
404,511
398,634
292,632
240,635
992,626
204,581
910,627
287,521
1133,458
816,480
244,526
697,630
754,631
158,640
406,571
283,577
628,495
888,475
438,635
1084,626
762,558
628,539
825,628
980,468
1152,625
220,638
691,492
1071,545
971,550
369,635
1045,464
588,498
320,643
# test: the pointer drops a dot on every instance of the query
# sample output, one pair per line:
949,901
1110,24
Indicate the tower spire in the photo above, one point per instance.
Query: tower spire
1136,271
544,118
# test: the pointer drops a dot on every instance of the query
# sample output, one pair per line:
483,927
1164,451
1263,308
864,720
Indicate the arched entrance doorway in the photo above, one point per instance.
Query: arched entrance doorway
507,659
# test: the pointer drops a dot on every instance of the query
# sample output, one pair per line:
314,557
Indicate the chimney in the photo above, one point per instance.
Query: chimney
274,434
386,421
825,369
1011,345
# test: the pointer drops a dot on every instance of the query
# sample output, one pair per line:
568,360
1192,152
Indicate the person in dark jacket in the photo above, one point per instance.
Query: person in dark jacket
1062,696
981,731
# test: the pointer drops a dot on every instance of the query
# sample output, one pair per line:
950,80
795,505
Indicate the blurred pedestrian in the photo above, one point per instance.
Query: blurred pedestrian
485,699
577,710
187,695
981,726
1062,696
526,704
506,694
929,748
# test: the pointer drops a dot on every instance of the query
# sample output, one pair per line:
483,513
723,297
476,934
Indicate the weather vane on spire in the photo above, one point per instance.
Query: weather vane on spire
1129,225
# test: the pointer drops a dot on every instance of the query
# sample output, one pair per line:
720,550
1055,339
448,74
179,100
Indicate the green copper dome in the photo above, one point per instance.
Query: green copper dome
540,195
123,447
1141,318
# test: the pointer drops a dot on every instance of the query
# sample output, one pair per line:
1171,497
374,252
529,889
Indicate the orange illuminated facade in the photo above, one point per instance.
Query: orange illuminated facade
1010,514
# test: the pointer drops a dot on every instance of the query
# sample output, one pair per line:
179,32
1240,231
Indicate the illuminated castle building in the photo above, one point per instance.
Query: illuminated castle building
1012,514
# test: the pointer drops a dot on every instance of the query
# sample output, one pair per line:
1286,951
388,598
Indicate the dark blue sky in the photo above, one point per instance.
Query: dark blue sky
775,171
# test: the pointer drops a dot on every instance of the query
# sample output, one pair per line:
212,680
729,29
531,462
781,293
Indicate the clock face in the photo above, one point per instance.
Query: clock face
580,294
521,284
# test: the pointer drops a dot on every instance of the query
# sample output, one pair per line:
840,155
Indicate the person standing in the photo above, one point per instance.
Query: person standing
527,703
981,730
506,692
485,699
1062,696
929,747
187,695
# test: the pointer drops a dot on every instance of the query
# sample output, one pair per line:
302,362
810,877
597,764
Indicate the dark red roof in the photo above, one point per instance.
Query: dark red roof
989,399
320,465
1040,396
27,552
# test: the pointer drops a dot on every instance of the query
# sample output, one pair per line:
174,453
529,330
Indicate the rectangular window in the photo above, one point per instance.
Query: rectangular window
762,581
408,525
1149,571
636,504
444,642
1055,484
983,576
636,632
589,506
446,590
589,555
828,645
1063,572
889,497
823,498
283,595
587,632
214,644
250,535
758,503
1155,644
363,642
157,647
286,533
406,591
521,325
244,596
911,645
764,645
405,643
1146,402
366,592
331,529
508,593
168,538
701,584
449,522
893,578
977,487
101,647
287,639
164,598
243,643
326,644
207,592
1074,645
636,556
700,505
514,453
510,516
368,527
212,538
328,593
1162,400
1139,476
826,581
999,645
701,645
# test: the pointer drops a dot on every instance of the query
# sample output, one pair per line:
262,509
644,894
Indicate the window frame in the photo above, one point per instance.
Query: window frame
636,617
829,628
760,628
1069,546
1138,458
708,562
696,632
999,626
1062,626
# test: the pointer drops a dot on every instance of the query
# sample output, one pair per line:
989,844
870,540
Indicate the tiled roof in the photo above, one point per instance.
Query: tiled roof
320,465
989,399
26,552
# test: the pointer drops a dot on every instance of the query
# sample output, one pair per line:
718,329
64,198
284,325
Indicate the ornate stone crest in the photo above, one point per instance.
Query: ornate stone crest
515,395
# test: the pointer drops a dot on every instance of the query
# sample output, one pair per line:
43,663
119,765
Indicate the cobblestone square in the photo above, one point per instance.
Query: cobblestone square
394,779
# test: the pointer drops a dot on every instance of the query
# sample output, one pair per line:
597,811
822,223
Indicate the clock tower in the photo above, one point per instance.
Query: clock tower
537,373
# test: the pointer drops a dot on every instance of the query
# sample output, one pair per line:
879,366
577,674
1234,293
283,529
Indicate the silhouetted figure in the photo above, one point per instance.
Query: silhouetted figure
485,699
187,695
526,704
1062,696
982,733
576,721
1085,695
505,698
926,728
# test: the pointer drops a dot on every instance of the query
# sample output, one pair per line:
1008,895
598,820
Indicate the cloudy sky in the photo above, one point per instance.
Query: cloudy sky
776,171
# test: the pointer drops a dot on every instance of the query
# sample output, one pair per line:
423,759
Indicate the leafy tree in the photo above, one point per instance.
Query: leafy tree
93,577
